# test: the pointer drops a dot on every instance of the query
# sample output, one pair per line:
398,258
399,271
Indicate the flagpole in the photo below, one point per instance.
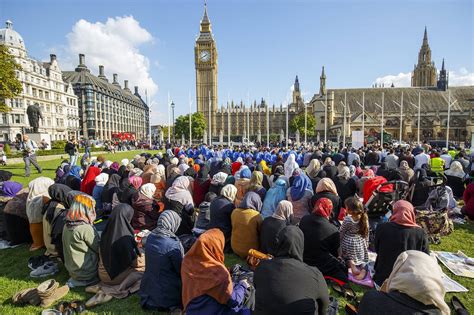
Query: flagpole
190,122
287,109
169,119
268,118
210,126
326,120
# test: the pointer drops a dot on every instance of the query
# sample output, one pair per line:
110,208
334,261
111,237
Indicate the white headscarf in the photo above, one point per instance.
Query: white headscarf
125,162
101,179
34,202
344,172
179,191
284,211
229,191
107,163
182,168
148,190
455,169
418,275
219,178
290,165
174,161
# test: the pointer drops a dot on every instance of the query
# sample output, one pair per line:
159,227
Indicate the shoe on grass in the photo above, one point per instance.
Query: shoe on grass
49,292
93,288
48,269
27,296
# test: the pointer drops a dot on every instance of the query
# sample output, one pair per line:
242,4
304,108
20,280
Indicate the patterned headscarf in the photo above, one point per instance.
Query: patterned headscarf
323,207
82,211
167,225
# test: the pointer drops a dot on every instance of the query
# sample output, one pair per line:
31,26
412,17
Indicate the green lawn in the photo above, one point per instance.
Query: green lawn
14,272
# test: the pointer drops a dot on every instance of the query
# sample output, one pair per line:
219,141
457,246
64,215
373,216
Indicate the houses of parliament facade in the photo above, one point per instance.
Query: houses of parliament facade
428,89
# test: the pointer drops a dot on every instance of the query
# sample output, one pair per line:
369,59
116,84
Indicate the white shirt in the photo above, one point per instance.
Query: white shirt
447,160
421,159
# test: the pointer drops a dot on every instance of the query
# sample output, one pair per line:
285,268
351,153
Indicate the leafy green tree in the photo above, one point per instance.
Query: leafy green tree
297,123
10,86
198,125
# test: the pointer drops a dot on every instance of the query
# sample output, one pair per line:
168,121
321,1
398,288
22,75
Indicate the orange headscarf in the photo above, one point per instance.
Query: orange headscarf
403,213
203,270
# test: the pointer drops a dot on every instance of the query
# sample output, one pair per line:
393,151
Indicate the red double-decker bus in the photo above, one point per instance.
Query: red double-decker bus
123,136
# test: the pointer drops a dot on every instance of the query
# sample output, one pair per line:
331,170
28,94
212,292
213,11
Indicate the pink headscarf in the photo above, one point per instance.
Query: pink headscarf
135,181
404,214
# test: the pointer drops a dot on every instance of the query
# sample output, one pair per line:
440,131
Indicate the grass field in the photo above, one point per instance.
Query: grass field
14,272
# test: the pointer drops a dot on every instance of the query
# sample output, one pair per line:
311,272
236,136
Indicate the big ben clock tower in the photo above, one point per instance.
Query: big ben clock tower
205,59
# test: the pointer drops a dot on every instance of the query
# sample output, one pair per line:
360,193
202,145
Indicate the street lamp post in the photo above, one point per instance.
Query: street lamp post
172,111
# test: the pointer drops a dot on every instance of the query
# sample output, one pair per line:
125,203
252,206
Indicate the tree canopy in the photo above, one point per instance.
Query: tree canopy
297,123
10,86
198,126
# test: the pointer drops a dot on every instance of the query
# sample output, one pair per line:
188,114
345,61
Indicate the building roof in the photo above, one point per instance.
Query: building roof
432,100
10,37
83,76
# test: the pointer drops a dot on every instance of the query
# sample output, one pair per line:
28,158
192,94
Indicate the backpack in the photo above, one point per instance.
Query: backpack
438,199
435,224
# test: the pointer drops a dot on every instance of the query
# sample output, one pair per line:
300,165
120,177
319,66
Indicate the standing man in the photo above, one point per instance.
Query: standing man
71,149
29,148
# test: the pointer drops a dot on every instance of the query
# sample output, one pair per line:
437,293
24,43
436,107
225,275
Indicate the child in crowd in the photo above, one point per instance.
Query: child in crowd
354,238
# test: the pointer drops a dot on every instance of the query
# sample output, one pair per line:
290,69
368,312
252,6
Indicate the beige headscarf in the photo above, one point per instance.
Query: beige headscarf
148,190
418,275
344,172
326,184
313,168
38,188
229,191
284,211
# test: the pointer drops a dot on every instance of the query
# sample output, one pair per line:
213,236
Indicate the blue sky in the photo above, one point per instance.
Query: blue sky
262,45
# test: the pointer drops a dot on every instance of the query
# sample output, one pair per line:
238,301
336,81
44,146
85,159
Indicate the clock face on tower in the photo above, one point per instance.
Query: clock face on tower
205,56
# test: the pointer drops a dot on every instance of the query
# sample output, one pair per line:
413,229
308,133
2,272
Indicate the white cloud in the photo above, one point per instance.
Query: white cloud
462,77
115,45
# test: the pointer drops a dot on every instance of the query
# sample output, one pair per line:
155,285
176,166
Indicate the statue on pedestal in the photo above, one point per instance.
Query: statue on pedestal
282,135
318,137
204,137
297,136
182,139
221,136
259,136
34,115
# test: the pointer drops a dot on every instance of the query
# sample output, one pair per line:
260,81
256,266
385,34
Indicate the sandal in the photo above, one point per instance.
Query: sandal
78,306
346,292
458,307
64,308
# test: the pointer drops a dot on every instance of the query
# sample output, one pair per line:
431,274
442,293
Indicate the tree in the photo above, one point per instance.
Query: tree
10,86
297,123
198,126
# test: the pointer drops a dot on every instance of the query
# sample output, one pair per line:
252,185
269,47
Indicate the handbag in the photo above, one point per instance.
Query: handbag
254,257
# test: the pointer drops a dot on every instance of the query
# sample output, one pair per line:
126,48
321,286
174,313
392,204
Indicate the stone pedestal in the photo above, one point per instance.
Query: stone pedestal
297,136
221,136
259,136
282,135
204,137
37,137
183,141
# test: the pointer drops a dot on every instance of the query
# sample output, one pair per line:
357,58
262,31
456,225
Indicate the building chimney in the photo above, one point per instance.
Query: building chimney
115,75
52,57
136,90
125,83
82,63
101,73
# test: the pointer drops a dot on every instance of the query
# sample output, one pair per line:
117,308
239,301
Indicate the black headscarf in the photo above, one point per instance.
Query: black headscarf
110,188
118,248
59,195
190,172
290,243
203,174
5,175
122,171
125,191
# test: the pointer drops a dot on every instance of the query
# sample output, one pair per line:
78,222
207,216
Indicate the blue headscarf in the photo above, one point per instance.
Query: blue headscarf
300,185
75,171
274,195
245,173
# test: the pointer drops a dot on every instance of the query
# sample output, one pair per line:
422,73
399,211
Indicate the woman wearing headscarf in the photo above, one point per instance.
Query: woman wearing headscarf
405,171
256,186
242,184
100,182
73,179
236,165
246,222
321,241
273,197
127,189
273,224
148,171
290,165
54,210
367,174
179,199
81,242
330,168
345,185
88,183
327,189
173,174
121,265
8,190
207,285
146,211
306,293
160,289
312,172
217,182
16,219
37,196
415,286
300,194
265,178
455,178
221,210
107,195
394,237
279,173
468,197
201,185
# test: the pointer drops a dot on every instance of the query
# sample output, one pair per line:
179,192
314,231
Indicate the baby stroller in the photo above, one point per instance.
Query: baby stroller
380,203
422,187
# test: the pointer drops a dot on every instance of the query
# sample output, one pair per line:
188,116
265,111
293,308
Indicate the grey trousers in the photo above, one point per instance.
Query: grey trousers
31,159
